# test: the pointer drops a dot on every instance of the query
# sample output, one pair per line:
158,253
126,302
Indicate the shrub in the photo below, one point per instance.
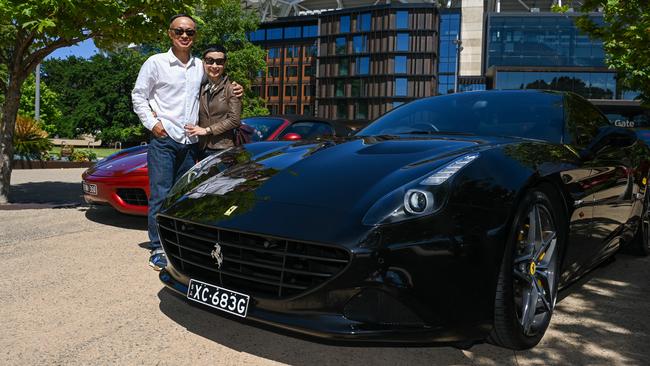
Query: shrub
30,141
83,155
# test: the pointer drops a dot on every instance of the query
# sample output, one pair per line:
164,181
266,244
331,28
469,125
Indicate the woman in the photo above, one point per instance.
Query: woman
219,108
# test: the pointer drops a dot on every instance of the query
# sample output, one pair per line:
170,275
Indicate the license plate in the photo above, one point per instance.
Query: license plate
89,188
218,297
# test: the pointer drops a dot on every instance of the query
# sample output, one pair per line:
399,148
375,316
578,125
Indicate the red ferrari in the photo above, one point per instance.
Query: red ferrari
122,181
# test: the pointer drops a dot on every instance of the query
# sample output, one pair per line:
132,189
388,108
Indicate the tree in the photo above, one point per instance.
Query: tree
50,114
32,29
626,39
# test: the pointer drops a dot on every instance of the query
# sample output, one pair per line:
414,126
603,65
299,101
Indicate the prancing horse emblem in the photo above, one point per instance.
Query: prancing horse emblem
217,255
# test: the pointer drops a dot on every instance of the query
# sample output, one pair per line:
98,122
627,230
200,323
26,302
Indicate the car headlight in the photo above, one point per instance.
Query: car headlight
417,198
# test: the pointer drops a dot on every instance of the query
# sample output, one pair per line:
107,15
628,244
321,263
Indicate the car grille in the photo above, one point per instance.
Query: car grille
254,264
133,196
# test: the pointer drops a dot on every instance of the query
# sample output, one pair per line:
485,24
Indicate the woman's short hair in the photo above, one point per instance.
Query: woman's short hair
216,48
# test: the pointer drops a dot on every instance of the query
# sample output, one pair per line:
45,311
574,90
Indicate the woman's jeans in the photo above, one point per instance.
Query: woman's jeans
167,161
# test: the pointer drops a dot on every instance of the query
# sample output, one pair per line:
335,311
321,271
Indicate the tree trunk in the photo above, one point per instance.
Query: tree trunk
10,109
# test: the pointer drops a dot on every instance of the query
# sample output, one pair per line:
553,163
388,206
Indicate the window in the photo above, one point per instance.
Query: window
293,51
258,35
308,71
358,88
364,22
361,110
274,33
275,52
309,90
359,44
402,19
397,104
310,31
273,91
312,51
344,66
291,91
292,71
341,110
340,88
340,48
310,130
402,42
362,65
274,71
273,109
292,32
307,110
400,64
401,87
290,109
345,24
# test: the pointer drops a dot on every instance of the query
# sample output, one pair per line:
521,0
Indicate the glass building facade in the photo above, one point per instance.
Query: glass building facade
447,52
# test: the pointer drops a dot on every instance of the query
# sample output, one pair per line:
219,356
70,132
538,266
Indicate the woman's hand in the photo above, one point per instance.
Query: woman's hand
194,130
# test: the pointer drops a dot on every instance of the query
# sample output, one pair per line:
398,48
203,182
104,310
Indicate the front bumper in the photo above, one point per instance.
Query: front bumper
107,192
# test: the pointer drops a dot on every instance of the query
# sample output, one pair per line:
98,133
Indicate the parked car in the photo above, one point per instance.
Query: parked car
121,180
455,218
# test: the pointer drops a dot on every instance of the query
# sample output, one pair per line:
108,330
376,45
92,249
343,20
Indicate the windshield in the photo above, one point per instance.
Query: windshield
534,115
264,126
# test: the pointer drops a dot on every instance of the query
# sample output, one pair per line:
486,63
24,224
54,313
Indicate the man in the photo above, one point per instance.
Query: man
166,99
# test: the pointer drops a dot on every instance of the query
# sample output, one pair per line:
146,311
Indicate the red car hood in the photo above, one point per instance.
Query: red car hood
128,164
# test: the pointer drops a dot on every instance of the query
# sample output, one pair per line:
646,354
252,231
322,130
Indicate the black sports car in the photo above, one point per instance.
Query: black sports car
449,219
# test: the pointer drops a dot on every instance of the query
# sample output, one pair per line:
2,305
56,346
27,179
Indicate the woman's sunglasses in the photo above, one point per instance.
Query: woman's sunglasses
211,61
179,32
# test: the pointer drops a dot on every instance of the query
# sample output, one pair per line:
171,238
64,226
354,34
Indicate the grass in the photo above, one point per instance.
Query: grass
100,151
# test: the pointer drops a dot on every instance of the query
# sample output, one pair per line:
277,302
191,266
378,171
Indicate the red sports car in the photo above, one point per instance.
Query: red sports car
122,181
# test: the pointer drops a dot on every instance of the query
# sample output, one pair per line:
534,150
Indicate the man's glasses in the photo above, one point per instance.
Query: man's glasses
179,32
211,61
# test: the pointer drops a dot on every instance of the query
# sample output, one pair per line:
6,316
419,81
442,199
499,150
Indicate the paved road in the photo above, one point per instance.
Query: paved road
75,289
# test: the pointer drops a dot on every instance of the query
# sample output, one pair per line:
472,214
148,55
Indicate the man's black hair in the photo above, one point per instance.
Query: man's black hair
216,48
181,15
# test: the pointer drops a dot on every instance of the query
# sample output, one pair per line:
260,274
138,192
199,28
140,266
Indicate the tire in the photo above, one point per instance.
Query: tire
640,245
530,271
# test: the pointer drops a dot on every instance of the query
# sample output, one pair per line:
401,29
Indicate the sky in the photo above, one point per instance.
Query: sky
84,49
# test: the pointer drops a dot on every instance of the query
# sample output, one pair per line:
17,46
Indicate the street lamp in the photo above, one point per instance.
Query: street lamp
459,48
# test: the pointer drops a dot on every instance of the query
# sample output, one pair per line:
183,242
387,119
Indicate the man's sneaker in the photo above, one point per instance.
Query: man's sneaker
158,259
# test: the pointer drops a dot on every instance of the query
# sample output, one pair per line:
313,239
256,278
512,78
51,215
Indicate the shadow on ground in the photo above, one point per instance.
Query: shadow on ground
602,322
107,215
46,192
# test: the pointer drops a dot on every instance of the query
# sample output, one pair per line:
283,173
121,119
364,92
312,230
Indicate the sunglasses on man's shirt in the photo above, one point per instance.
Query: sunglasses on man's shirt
179,31
211,61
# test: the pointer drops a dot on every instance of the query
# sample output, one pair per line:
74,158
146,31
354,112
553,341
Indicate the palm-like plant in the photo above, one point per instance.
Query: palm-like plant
30,141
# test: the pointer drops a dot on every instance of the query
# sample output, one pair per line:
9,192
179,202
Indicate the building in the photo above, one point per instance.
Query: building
355,60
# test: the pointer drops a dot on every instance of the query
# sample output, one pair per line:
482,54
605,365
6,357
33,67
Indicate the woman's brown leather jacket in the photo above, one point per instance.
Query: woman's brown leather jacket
219,112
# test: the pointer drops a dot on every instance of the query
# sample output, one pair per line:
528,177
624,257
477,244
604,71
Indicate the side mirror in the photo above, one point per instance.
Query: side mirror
609,136
291,136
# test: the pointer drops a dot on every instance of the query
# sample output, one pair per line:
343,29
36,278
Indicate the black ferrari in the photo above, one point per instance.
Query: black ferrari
452,219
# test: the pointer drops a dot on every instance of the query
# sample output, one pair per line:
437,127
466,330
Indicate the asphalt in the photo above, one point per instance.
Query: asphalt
75,289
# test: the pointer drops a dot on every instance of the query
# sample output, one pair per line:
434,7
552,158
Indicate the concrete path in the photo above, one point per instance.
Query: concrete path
75,289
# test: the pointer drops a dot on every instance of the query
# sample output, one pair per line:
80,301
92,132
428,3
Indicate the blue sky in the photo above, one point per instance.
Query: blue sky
84,49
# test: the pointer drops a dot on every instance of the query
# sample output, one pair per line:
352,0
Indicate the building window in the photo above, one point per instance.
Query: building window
402,42
293,51
273,108
340,46
358,88
291,91
344,65
310,31
275,52
273,91
340,88
397,104
307,110
359,44
292,32
290,109
401,87
363,22
402,19
258,35
345,24
274,33
312,51
274,71
309,90
361,110
362,65
257,90
400,64
292,71
341,110
308,71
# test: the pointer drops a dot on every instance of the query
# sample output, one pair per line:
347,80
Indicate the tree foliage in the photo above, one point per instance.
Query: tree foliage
50,113
626,39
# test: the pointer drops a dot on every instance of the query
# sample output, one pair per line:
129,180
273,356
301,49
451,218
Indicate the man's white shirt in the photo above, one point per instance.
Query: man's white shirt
171,89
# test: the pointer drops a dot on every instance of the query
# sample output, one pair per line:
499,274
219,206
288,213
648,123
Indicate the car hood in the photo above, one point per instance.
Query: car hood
130,163
339,180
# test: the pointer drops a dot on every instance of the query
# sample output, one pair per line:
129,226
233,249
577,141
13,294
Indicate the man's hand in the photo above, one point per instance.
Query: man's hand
158,130
237,89
194,130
